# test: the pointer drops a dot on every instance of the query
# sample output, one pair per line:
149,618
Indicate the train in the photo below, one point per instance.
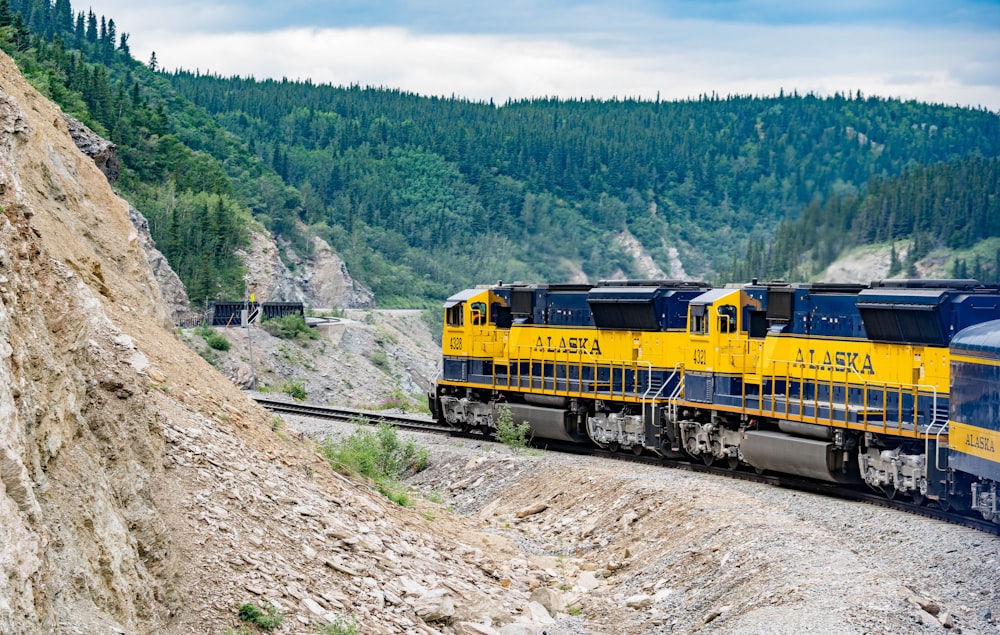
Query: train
893,384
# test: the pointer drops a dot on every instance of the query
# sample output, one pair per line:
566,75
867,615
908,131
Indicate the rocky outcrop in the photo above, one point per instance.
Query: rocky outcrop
105,156
83,547
330,285
171,288
103,152
320,280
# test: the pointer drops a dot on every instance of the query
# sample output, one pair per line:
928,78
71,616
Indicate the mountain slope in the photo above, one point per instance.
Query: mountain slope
549,181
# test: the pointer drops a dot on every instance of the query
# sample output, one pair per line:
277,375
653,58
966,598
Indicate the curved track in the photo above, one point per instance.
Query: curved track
408,422
425,424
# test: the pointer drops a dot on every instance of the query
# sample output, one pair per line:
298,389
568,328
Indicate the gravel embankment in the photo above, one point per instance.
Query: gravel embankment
635,549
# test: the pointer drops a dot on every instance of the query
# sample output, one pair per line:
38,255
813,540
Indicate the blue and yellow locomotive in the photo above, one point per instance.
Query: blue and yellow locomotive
844,383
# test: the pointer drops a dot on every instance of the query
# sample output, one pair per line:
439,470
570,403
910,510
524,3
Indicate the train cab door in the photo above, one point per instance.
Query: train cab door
753,327
717,350
482,325
469,332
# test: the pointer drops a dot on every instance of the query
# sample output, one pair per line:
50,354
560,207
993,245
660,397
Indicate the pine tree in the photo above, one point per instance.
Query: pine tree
894,265
91,27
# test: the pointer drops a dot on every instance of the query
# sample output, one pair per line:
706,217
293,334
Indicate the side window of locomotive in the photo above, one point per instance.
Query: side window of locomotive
727,319
699,320
500,315
456,315
478,313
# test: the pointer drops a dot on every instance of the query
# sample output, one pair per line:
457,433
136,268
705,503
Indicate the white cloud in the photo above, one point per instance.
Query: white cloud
690,58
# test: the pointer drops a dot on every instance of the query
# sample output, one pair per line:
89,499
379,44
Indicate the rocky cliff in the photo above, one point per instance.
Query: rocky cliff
140,491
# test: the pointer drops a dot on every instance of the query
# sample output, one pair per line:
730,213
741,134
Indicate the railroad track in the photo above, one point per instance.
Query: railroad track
407,422
424,424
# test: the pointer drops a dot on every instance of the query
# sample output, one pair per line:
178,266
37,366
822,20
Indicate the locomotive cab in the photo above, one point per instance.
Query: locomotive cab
714,364
470,321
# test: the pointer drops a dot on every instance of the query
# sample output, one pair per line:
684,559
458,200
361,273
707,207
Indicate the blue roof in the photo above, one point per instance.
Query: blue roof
902,296
981,338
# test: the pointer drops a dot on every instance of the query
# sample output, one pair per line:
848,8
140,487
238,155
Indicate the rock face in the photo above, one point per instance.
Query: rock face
79,458
322,280
171,288
103,152
329,283
105,156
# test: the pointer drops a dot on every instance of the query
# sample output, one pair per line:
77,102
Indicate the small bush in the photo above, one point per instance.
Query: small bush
290,327
380,360
514,435
378,454
213,338
267,617
340,626
295,390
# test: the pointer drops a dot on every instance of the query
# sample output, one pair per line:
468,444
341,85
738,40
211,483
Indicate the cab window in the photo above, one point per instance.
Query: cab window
699,320
478,313
727,319
456,315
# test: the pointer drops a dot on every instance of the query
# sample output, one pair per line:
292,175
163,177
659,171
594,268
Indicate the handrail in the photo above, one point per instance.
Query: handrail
650,387
830,382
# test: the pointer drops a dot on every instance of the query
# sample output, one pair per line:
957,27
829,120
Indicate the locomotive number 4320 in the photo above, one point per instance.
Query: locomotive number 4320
699,356
455,343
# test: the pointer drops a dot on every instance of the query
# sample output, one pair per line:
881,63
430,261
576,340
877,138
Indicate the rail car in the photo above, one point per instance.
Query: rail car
974,429
843,383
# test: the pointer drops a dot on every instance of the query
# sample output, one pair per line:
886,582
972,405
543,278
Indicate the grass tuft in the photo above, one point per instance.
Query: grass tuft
267,617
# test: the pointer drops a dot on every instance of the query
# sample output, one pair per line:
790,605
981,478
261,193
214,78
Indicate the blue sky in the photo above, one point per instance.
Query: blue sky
937,51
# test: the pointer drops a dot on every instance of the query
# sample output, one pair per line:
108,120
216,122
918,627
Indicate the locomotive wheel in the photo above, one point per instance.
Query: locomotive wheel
889,491
733,463
614,446
637,449
707,458
918,498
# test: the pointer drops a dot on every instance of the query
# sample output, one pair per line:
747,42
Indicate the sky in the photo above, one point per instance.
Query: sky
937,51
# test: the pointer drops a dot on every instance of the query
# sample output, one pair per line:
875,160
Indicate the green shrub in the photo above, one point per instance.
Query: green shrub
294,389
267,617
380,360
378,454
290,327
340,626
514,435
213,338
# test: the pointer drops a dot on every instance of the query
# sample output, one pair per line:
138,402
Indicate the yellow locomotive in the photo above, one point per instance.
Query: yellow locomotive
845,383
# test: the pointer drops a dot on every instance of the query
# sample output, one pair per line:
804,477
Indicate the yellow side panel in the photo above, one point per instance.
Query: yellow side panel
858,362
975,441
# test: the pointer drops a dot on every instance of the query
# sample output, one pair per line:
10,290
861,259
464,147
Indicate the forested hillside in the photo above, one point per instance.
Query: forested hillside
437,185
952,205
422,195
